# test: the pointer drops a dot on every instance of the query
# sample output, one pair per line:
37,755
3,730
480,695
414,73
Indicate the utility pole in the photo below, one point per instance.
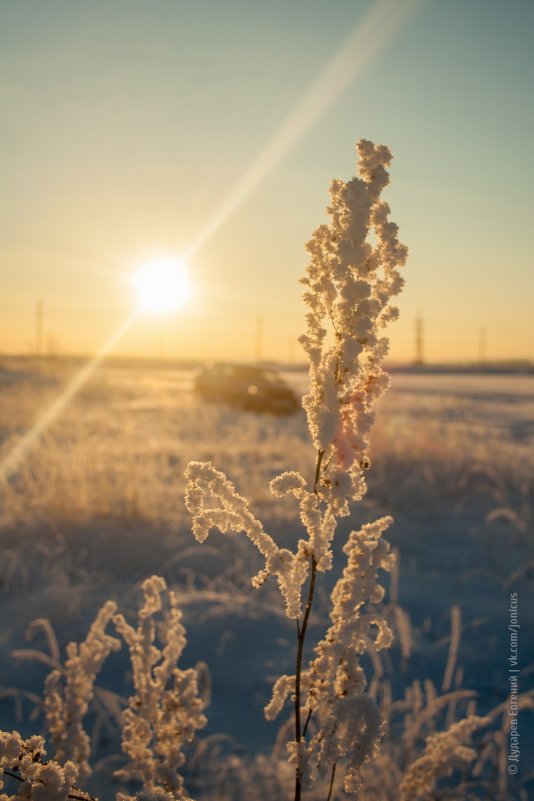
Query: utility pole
51,345
482,346
419,334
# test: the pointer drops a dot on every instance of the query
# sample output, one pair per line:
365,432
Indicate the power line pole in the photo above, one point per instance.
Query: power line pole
482,336
419,336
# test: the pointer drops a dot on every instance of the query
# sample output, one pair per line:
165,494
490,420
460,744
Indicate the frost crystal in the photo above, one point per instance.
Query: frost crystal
348,724
444,752
40,781
350,284
68,694
215,503
165,710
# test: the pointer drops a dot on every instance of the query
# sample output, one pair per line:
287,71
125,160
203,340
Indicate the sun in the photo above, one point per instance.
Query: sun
162,286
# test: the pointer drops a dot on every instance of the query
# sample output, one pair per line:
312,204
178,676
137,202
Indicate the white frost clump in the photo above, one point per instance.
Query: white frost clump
68,694
444,752
347,721
40,782
215,503
165,710
350,283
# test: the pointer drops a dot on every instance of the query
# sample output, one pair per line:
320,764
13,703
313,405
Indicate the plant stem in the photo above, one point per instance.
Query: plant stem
320,455
301,636
298,671
332,777
306,724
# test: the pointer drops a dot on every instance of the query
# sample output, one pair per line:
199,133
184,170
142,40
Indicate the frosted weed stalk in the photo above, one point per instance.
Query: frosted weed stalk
350,283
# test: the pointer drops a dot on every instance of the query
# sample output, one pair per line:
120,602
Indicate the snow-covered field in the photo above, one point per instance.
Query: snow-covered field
97,506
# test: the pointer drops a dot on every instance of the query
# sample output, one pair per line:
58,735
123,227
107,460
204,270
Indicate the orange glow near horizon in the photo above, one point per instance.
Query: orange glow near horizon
208,146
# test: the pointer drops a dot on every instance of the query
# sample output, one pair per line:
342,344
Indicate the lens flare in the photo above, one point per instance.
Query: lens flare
379,24
13,459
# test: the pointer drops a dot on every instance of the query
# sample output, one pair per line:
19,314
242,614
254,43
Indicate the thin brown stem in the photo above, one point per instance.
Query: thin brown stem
320,455
305,729
332,777
298,671
301,632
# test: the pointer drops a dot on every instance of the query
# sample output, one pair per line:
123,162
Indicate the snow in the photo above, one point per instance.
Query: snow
98,507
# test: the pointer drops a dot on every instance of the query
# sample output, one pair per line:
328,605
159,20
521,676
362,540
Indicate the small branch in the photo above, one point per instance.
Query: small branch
304,730
320,455
331,318
301,632
332,777
12,775
300,649
298,671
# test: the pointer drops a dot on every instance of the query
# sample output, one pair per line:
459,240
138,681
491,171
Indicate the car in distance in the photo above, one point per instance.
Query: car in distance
249,388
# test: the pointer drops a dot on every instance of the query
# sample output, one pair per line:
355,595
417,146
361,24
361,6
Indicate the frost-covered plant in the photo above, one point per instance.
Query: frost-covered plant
166,709
162,715
37,781
346,718
349,282
444,752
69,693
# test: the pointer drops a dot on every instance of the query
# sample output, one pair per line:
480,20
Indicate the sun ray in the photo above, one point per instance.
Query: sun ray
383,20
10,463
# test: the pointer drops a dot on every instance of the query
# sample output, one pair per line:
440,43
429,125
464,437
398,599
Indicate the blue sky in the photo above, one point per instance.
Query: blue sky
126,124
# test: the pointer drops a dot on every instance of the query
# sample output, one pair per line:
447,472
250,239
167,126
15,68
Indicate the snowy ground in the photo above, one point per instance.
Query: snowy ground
98,505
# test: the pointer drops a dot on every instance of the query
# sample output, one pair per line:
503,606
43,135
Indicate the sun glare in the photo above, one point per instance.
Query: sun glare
162,286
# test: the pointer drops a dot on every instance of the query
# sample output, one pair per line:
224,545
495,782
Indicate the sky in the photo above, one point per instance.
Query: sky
135,129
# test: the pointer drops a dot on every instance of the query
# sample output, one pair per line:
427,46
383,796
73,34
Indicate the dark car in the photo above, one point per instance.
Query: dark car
247,388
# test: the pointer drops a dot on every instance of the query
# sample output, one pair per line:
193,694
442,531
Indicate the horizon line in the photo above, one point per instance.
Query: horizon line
505,362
